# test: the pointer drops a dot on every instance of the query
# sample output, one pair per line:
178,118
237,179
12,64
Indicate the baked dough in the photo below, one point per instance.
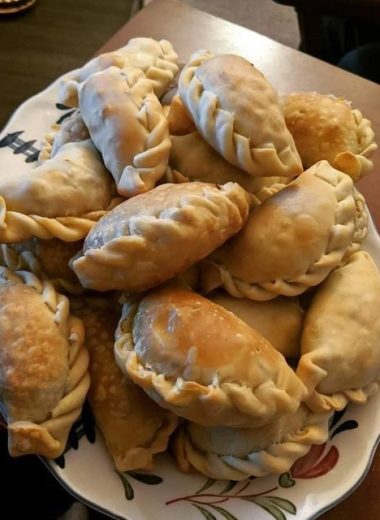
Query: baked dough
340,343
292,241
133,426
179,119
43,365
159,234
156,59
192,159
238,113
279,321
326,127
236,454
72,130
61,198
47,259
127,125
201,362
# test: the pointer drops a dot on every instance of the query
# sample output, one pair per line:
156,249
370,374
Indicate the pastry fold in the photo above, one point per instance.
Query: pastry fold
153,237
340,345
325,127
127,125
156,59
134,427
61,198
236,454
43,365
238,113
201,362
290,242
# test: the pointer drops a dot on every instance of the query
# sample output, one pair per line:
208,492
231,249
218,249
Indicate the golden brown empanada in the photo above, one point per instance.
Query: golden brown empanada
326,127
47,259
195,160
156,59
43,364
159,234
235,454
238,113
128,126
292,241
61,198
179,119
279,321
201,362
133,426
340,345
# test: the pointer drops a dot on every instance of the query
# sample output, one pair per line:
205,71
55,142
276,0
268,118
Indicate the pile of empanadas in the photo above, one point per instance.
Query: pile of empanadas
192,264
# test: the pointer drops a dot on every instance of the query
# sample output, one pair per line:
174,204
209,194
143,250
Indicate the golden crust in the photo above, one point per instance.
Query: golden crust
127,124
290,242
179,119
133,426
340,359
326,128
235,454
157,235
44,366
237,112
179,347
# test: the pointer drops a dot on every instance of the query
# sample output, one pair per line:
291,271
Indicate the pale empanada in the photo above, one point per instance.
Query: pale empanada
61,198
192,159
236,454
279,321
43,364
134,427
156,59
292,241
326,127
201,362
238,113
340,345
127,125
47,259
72,130
159,234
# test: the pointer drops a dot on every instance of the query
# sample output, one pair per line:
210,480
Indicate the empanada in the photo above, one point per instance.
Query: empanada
236,454
326,127
47,259
340,345
127,125
61,198
279,321
195,160
134,427
238,113
153,237
292,241
156,59
201,362
179,119
43,364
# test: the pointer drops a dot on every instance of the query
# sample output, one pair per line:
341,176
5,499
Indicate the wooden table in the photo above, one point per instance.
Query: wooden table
289,70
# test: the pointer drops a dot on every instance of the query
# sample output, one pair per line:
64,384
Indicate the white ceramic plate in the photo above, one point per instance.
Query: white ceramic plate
324,477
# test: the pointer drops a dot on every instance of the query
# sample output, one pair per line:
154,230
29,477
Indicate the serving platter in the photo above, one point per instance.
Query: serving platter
318,481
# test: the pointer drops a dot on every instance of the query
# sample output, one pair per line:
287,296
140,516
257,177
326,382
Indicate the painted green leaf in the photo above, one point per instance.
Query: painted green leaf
270,508
205,513
286,481
286,505
145,478
230,485
128,489
210,482
226,514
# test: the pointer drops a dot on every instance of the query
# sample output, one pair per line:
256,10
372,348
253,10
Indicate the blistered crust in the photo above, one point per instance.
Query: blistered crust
237,112
44,374
155,236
